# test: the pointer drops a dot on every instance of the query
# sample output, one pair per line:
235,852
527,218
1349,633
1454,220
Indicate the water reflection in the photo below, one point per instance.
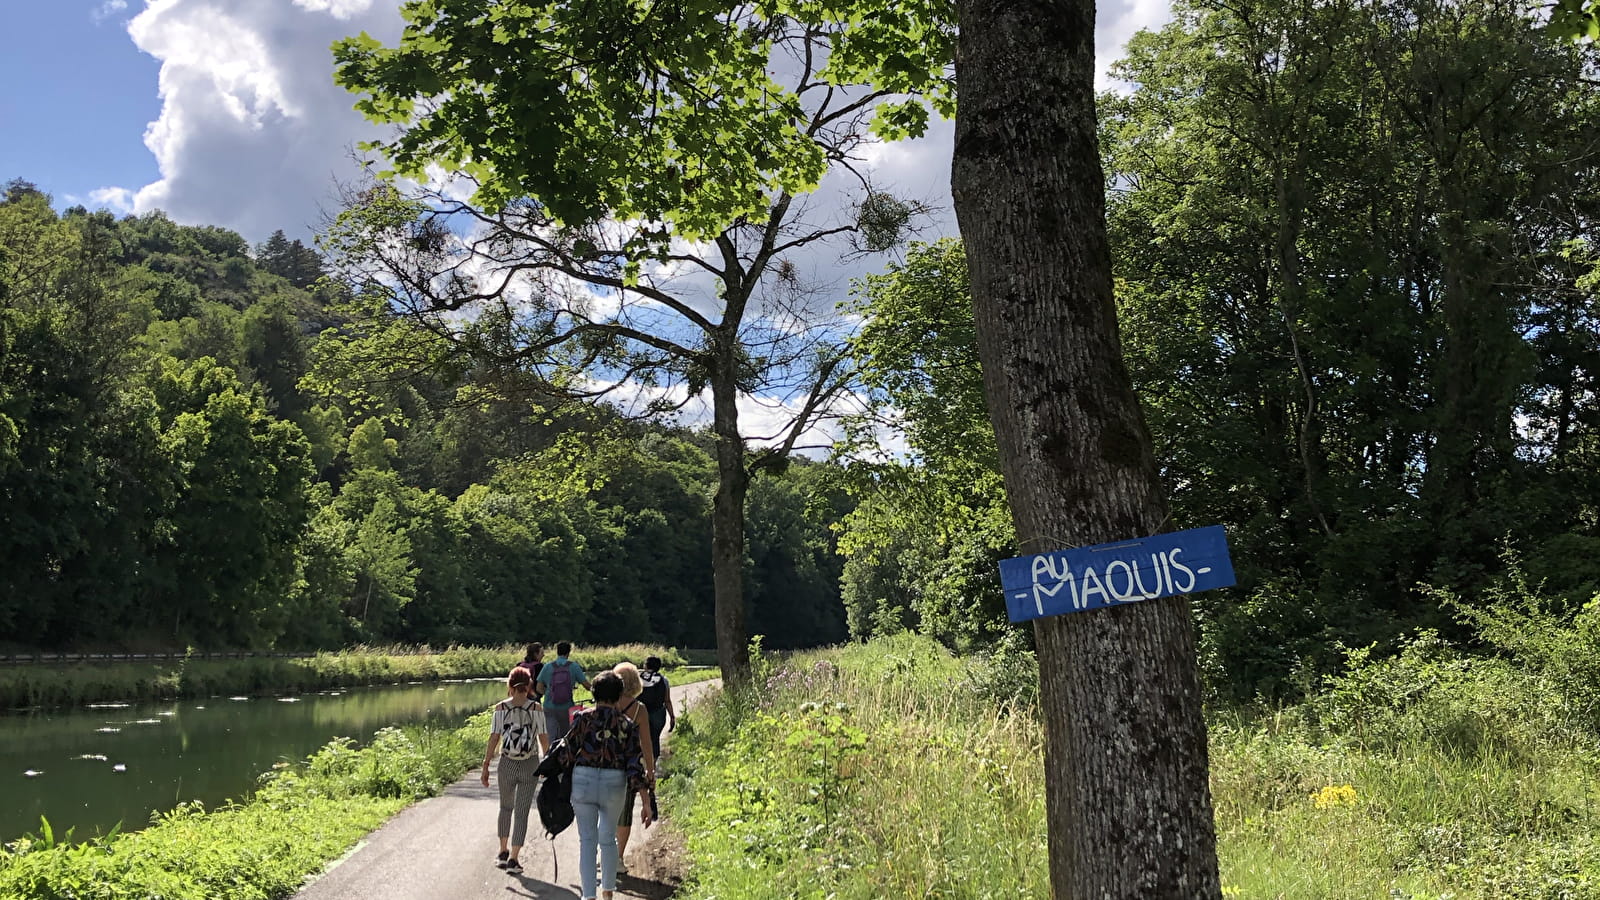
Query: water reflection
94,767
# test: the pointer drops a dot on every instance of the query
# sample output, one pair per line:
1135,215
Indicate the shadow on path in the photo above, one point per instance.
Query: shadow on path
644,888
544,890
464,788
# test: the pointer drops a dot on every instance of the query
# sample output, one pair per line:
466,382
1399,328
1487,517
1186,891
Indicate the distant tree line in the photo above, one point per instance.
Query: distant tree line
170,476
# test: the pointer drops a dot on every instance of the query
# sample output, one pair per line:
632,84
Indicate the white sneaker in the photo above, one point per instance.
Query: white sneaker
622,867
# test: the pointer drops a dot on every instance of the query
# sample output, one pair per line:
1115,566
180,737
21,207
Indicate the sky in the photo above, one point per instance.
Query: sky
224,112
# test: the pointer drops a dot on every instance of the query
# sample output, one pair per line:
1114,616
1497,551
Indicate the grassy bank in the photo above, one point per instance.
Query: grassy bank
65,685
894,770
301,818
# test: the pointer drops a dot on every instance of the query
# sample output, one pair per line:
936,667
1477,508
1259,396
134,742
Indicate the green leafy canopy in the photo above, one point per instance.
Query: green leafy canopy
673,113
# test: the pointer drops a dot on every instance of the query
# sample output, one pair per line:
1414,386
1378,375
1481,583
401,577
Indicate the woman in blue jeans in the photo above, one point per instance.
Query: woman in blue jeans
607,759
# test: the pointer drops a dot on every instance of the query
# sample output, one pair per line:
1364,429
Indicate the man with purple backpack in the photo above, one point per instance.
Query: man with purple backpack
559,678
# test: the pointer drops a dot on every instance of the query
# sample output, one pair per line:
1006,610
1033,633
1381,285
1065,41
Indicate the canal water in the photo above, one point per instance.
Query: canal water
98,766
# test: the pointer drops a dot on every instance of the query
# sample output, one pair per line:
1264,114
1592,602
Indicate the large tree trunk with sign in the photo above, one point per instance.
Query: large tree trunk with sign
1125,761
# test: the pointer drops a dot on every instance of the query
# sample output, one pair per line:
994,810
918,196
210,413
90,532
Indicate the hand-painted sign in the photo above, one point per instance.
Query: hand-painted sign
1179,562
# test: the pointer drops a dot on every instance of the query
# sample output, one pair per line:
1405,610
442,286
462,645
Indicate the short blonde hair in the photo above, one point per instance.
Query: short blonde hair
632,686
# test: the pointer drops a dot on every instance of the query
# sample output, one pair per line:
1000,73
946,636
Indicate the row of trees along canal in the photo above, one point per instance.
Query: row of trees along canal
1364,336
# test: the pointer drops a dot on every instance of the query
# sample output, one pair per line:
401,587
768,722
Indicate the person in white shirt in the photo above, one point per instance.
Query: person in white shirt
518,723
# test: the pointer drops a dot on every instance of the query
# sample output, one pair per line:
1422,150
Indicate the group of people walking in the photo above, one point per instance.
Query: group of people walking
610,749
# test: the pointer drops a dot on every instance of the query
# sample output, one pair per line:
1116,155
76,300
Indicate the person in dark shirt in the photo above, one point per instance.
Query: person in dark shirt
657,699
607,759
532,660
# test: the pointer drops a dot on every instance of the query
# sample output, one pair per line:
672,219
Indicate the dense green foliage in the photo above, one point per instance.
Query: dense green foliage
174,476
893,769
925,541
1354,281
302,817
1575,19
1352,259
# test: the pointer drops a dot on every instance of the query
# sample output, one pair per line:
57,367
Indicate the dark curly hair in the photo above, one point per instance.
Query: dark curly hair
607,688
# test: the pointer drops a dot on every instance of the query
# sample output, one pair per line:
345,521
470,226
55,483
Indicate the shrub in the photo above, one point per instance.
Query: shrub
1539,634
1432,693
1007,676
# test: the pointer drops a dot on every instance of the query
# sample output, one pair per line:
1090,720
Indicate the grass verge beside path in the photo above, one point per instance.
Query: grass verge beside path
76,683
300,819
863,772
894,770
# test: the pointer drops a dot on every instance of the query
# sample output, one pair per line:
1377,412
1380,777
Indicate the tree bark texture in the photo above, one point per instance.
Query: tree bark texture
727,527
1126,770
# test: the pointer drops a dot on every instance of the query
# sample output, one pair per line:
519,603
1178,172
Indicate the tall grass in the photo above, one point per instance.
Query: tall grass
861,773
886,770
64,685
1429,775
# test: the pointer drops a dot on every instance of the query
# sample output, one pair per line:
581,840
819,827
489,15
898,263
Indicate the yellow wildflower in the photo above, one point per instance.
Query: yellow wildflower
1335,795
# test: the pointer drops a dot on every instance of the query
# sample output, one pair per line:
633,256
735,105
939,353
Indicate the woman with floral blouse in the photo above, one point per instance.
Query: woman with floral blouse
607,759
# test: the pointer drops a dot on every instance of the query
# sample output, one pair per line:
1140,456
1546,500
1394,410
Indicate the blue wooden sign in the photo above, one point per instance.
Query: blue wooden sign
1179,562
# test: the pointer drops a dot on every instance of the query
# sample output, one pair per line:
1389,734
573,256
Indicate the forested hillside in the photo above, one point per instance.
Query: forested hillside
169,479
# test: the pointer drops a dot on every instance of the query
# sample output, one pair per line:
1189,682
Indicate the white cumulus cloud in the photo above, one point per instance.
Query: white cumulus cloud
1116,22
253,132
118,200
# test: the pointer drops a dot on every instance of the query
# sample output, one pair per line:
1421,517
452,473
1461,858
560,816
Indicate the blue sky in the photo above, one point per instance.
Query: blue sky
75,100
224,112
219,112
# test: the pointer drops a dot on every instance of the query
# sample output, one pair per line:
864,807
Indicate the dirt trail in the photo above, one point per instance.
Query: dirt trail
443,849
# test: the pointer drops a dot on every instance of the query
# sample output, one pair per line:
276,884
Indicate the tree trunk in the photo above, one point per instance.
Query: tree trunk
1475,380
1289,190
1125,756
727,526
